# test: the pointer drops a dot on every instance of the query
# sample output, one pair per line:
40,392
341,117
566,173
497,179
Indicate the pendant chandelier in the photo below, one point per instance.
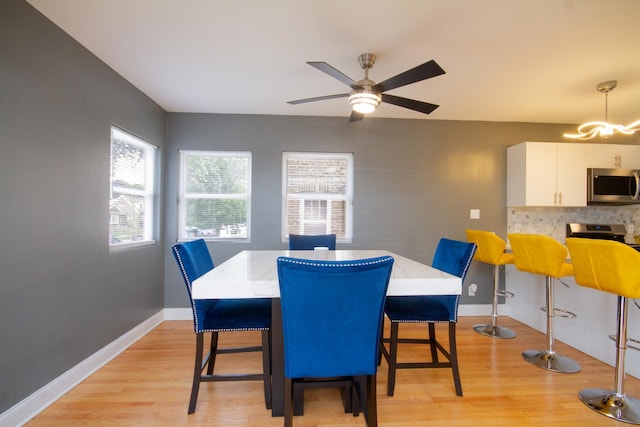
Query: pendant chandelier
604,129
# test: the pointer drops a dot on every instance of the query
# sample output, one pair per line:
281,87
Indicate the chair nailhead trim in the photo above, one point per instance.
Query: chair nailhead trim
332,263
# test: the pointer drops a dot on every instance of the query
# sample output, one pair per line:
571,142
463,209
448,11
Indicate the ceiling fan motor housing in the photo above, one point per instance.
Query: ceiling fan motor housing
367,60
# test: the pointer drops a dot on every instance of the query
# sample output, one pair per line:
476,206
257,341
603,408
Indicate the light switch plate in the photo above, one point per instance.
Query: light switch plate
474,214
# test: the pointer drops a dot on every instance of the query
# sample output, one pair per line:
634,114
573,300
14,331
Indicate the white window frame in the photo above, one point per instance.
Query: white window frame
347,197
183,195
149,194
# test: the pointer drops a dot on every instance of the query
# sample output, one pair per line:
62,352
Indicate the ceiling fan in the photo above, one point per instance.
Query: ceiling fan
366,94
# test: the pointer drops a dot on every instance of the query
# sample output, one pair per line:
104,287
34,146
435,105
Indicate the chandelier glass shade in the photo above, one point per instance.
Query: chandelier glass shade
364,100
603,129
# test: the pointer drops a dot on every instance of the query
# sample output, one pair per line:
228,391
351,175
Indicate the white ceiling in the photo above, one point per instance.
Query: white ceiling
505,60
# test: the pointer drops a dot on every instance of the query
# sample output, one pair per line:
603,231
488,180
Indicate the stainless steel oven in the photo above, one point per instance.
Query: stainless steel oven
612,186
615,232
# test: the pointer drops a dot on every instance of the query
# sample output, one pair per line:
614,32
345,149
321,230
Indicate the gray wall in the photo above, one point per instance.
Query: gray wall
415,180
63,296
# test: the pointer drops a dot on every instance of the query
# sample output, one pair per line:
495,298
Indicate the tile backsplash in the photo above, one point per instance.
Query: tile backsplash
552,221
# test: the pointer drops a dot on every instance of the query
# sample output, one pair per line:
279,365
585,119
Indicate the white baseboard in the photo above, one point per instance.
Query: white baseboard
475,309
28,408
178,314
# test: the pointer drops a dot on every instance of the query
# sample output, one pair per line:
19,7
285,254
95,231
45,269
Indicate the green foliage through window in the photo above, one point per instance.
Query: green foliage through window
215,194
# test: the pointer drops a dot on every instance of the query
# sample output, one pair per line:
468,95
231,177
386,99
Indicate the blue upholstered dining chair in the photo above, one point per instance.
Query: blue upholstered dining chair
453,257
222,315
308,242
332,318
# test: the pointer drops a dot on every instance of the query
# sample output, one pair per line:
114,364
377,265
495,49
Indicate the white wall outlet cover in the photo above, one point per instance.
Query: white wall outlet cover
472,289
474,214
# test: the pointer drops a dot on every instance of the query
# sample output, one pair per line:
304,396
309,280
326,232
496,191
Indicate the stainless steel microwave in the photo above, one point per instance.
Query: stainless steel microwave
612,186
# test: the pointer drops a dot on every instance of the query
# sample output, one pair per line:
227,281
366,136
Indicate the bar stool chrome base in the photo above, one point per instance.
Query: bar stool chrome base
617,406
494,331
551,361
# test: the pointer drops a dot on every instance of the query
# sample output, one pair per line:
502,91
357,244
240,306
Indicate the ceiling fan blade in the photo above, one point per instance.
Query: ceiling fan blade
336,74
421,72
412,104
355,116
318,98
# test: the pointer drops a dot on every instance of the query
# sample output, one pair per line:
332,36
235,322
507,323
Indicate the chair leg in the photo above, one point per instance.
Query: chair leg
549,359
298,398
356,407
615,403
213,351
266,366
197,372
453,358
346,394
393,355
288,402
371,410
433,342
451,355
381,341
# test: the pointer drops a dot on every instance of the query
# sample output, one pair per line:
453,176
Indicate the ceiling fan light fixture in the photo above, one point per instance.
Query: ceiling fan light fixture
364,101
604,129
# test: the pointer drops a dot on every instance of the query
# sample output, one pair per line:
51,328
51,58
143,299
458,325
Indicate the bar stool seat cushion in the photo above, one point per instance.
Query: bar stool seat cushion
490,248
442,308
233,314
608,263
539,254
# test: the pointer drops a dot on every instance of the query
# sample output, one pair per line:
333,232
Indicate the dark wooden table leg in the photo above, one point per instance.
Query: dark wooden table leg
277,360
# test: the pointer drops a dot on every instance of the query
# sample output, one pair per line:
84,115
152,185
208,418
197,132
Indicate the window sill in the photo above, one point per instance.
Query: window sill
121,247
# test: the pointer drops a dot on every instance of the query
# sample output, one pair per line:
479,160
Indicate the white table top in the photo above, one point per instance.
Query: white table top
254,274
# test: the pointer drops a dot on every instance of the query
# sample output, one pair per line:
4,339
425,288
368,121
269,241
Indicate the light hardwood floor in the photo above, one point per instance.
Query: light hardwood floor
149,385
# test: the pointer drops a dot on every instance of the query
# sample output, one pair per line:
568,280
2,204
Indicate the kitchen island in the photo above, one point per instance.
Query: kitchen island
596,311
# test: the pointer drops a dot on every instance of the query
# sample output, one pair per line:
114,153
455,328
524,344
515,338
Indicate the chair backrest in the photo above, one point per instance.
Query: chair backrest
300,242
194,260
539,254
332,315
606,265
454,257
491,248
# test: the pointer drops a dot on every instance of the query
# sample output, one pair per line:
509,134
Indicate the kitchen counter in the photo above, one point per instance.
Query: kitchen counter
596,315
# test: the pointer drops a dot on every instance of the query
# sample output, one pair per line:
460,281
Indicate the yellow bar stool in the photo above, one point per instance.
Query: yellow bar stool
543,255
612,267
491,250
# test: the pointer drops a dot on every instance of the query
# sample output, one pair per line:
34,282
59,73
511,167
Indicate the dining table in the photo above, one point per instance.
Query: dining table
254,274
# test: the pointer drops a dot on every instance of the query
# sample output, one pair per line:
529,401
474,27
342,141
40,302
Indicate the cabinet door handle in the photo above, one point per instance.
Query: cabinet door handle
560,198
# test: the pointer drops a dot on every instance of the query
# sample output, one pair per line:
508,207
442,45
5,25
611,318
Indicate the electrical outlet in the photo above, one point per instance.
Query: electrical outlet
474,214
472,289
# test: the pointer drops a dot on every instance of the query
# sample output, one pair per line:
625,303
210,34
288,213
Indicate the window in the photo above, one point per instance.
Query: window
317,194
133,195
215,195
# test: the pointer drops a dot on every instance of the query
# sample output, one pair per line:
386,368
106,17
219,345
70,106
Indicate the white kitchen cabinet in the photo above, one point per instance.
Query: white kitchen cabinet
547,174
613,156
